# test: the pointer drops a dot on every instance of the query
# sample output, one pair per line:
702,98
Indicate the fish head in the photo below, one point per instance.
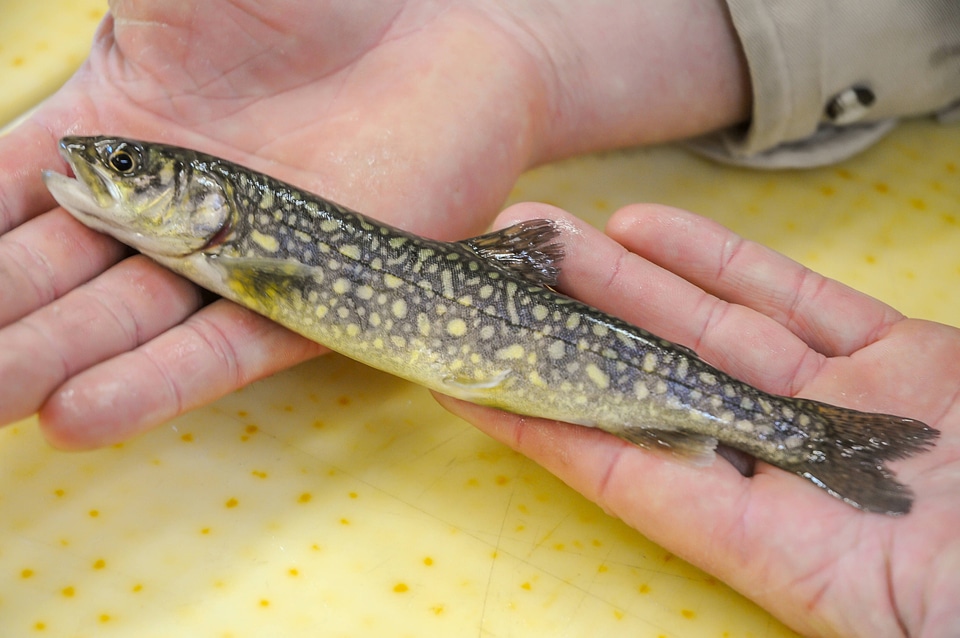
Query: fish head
161,200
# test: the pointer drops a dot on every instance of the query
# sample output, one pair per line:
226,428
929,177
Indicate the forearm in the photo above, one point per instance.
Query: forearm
616,74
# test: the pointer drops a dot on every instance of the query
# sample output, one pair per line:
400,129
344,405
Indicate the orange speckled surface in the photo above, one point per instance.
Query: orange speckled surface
334,500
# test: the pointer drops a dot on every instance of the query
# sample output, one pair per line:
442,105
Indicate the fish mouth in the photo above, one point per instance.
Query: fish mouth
84,191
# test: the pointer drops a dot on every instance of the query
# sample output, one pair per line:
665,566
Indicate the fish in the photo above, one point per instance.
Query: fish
478,319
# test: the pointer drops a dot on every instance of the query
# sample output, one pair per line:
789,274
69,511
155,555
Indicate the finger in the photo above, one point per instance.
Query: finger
827,315
127,305
217,350
46,257
24,152
711,516
738,340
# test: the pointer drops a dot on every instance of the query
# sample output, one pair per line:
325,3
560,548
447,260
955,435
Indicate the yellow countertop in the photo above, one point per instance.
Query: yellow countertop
334,500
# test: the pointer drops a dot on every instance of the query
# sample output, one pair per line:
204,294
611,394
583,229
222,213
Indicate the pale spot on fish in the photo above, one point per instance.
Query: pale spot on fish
573,321
266,199
515,351
641,390
456,327
321,311
352,330
600,330
486,291
649,362
557,350
329,225
537,380
423,324
598,376
766,406
391,281
364,292
350,251
446,281
708,379
744,426
267,242
341,286
762,430
540,312
746,403
399,308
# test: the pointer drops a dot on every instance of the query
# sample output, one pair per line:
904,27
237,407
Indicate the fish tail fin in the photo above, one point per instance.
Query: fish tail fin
851,461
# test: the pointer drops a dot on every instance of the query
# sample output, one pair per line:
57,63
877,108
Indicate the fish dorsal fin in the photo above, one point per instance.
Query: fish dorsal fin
529,250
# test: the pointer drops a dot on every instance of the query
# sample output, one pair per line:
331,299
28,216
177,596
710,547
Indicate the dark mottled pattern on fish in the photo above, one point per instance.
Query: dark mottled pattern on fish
476,319
383,290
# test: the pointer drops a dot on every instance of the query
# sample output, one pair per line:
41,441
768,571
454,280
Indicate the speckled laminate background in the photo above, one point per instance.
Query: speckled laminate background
333,500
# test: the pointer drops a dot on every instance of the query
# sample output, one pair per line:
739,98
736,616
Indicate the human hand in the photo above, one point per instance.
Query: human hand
818,564
418,113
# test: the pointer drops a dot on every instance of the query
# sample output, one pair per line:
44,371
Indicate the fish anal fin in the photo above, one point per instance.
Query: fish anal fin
696,449
529,250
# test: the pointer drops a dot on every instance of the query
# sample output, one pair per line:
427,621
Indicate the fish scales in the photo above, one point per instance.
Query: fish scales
475,319
482,336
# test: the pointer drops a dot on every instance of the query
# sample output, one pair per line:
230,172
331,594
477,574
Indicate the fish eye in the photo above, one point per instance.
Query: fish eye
122,160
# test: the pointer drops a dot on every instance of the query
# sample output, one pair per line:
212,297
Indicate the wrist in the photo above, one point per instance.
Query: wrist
616,74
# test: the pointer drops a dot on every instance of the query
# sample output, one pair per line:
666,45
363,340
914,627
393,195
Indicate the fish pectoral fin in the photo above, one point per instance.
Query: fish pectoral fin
529,249
475,390
697,449
258,281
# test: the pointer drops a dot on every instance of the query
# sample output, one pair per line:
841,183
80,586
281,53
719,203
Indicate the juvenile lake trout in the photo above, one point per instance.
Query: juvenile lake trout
476,319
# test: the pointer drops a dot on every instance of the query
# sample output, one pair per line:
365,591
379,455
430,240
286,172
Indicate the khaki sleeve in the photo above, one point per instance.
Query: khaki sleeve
830,77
